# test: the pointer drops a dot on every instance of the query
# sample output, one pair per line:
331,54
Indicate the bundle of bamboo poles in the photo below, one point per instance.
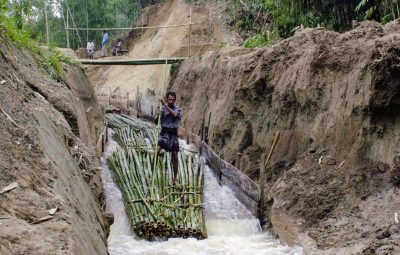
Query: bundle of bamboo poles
156,208
131,131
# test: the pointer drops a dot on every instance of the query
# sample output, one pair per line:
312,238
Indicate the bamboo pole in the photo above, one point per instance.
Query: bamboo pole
47,24
67,31
130,28
87,24
272,147
150,61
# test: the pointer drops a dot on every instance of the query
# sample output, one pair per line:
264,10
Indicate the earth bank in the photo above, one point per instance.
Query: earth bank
47,148
335,100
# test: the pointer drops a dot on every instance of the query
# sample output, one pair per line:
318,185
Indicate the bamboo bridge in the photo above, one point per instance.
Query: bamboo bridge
148,61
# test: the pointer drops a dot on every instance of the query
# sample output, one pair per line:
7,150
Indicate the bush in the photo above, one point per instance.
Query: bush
265,39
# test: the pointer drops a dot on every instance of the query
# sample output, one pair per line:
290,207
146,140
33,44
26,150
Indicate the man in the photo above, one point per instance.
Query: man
117,47
170,119
90,49
105,42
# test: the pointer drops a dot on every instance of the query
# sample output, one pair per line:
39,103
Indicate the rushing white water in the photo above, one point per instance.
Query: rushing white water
231,228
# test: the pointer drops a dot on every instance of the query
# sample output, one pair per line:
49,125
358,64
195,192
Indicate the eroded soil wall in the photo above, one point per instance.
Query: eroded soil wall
47,147
335,100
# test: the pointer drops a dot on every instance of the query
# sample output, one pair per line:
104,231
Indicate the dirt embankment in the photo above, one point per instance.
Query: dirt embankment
335,99
46,147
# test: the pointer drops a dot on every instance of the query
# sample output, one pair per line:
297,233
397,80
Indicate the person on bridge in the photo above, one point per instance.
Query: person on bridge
117,47
90,49
170,119
105,42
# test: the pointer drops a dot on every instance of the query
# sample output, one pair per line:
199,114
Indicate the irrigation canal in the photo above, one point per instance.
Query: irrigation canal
231,228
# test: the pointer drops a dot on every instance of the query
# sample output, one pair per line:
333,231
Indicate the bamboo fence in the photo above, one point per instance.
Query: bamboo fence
157,209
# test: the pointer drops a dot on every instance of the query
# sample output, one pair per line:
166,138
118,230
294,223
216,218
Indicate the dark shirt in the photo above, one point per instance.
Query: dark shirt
168,120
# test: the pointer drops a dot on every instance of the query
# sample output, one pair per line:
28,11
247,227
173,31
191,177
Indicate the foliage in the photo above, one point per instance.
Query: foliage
175,68
54,61
30,15
253,18
9,28
51,59
265,39
282,16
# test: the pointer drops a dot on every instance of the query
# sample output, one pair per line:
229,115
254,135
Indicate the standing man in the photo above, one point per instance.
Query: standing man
90,49
171,116
105,42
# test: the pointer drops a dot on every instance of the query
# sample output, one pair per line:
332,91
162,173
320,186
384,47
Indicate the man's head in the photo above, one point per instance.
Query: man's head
171,98
104,31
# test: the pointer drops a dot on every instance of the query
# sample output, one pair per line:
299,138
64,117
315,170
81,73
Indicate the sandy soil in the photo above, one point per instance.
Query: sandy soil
333,179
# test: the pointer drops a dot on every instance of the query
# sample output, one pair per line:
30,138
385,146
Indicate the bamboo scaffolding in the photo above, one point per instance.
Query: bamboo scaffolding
156,209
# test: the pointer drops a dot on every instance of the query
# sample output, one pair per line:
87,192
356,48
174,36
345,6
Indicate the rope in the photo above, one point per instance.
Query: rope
131,28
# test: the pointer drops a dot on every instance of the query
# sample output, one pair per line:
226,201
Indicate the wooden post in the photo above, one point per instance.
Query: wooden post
106,131
137,101
237,160
102,142
220,169
127,100
206,129
262,184
137,98
206,134
190,132
109,96
202,131
242,163
104,137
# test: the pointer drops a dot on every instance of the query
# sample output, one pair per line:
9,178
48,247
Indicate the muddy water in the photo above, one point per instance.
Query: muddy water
230,226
